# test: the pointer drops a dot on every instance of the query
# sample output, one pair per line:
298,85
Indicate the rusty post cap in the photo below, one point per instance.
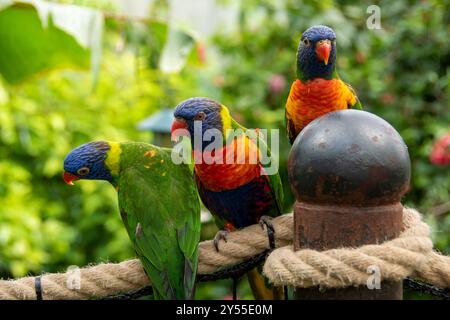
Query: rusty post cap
349,157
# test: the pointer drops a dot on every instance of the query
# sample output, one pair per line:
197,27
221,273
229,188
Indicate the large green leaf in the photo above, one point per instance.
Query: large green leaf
178,46
37,36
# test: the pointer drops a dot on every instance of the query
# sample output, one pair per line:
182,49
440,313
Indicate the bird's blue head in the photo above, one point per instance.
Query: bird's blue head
211,114
316,56
90,161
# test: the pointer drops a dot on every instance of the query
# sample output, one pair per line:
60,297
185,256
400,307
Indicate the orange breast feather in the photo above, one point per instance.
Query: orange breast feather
240,165
312,99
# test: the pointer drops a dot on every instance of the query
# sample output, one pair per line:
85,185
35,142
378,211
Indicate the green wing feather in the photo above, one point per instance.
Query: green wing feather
160,209
290,129
274,179
358,104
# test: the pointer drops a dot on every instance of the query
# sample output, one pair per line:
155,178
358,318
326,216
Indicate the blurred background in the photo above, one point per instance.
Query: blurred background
73,71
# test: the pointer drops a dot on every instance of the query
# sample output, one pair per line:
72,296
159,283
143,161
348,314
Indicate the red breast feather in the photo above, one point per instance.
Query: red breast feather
312,99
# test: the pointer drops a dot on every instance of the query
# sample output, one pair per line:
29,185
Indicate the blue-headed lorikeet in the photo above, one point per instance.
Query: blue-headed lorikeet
238,194
165,233
318,88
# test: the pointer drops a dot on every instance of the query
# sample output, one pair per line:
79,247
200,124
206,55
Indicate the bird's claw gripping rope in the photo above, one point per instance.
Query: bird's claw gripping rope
266,221
220,235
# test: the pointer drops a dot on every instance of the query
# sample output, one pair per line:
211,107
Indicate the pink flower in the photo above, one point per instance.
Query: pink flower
387,98
201,53
219,81
440,155
277,82
360,57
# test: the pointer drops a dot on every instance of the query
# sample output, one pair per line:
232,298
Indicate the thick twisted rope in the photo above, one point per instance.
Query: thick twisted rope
96,281
108,279
411,254
243,245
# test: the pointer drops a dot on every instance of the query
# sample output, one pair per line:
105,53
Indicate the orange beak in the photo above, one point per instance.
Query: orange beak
177,124
323,49
69,178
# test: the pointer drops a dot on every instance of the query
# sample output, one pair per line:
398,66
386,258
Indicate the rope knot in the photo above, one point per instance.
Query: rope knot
411,254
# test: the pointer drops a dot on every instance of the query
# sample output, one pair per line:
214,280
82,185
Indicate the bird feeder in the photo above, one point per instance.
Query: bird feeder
348,170
159,124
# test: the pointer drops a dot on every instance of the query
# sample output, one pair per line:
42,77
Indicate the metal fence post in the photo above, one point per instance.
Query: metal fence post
348,170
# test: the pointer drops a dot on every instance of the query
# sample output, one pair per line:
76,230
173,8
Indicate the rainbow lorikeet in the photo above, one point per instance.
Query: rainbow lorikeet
238,194
318,88
165,233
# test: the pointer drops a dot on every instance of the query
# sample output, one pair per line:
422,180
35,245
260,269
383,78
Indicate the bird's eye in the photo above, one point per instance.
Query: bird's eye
83,171
307,42
200,116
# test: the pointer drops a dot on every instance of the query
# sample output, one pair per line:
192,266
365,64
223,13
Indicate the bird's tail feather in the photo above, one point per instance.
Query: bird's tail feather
260,289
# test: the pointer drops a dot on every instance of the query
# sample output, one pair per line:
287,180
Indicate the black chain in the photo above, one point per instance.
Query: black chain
240,269
427,288
235,271
38,287
147,291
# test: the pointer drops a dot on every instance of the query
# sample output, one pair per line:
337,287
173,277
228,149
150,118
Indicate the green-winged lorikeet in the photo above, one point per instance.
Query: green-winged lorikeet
318,88
158,203
238,194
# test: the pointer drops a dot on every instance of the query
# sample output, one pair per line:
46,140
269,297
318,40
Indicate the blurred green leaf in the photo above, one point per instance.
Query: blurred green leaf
176,51
37,36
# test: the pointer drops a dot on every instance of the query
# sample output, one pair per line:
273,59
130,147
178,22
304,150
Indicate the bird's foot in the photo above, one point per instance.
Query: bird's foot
220,235
266,221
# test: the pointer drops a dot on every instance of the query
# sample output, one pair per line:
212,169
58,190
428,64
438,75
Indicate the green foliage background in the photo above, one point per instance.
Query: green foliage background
401,73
